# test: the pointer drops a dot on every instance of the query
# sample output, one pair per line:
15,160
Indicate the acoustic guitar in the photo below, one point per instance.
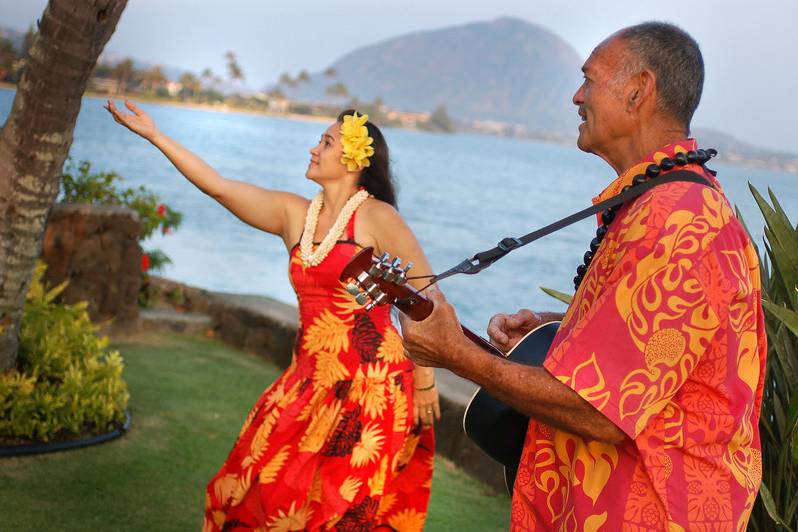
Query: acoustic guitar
496,428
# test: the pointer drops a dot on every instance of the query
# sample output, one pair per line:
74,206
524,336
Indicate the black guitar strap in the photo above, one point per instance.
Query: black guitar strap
482,260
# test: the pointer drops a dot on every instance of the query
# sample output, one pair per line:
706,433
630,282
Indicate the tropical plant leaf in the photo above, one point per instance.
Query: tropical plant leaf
784,315
778,500
783,240
790,515
556,294
778,208
55,292
770,506
742,220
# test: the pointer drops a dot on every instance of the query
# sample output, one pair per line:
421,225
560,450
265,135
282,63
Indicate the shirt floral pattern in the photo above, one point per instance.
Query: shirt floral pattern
665,337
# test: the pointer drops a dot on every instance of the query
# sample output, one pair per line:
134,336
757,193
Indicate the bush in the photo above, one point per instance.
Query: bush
777,505
66,383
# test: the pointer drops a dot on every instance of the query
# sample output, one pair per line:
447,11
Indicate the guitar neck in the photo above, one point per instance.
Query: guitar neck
483,343
379,280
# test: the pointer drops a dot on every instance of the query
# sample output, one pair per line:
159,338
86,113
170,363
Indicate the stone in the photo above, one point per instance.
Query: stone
95,248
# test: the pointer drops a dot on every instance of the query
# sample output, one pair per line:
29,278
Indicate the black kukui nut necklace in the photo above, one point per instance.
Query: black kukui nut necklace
653,170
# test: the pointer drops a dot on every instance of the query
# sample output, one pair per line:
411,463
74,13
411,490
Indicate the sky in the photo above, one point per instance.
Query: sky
750,49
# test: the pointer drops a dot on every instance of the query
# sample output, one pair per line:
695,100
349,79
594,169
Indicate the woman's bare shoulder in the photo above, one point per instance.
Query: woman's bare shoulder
378,211
296,208
295,201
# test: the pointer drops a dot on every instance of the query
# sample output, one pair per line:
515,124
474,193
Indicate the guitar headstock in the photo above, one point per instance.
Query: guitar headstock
382,281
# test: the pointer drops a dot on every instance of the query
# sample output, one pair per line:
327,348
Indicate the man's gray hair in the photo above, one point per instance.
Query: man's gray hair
675,59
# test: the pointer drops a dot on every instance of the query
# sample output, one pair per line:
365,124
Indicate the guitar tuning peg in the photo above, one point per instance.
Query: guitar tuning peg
401,278
390,270
361,298
380,299
380,266
353,289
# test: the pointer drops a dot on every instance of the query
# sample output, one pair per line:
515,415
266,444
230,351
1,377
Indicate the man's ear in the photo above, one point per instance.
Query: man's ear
642,90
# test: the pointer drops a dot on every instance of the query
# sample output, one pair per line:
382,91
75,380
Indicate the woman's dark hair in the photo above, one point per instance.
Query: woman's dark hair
376,178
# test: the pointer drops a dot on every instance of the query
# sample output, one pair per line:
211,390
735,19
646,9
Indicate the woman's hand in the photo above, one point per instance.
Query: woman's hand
426,407
139,122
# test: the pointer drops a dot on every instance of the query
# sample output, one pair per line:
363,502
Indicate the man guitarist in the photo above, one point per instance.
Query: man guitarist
645,413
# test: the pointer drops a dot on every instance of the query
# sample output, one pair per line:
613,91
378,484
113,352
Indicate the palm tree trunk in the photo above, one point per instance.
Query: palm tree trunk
36,138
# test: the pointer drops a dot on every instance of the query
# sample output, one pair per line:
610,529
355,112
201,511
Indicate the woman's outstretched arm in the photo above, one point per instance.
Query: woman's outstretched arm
271,211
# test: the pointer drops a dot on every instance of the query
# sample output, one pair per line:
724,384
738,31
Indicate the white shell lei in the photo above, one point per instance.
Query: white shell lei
306,252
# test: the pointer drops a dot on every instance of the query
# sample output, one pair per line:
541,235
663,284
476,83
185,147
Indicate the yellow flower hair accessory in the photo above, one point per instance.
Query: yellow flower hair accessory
356,142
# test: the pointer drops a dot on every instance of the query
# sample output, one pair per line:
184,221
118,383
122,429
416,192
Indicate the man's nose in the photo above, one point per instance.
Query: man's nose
579,96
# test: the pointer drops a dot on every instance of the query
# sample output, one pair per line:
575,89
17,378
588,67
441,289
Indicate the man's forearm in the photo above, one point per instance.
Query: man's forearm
536,393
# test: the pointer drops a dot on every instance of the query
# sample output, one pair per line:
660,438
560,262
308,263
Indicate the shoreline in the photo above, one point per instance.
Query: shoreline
220,108
783,162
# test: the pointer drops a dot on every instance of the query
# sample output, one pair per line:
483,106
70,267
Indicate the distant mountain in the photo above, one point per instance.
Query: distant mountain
735,151
505,70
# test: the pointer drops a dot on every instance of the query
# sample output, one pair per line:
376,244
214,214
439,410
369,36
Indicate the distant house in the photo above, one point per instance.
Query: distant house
173,87
407,119
278,104
105,85
494,127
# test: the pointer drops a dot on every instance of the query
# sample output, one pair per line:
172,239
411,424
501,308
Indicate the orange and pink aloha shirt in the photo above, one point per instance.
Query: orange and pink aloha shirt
666,338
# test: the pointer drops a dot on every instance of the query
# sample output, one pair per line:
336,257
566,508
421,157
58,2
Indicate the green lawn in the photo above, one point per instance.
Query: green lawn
189,397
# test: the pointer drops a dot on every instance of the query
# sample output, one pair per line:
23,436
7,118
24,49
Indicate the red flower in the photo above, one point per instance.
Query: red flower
165,230
145,263
161,210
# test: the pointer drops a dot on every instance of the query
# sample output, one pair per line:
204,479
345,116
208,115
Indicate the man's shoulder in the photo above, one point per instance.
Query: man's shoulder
680,208
687,196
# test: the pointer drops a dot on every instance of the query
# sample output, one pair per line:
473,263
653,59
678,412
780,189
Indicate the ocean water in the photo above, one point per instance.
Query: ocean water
459,193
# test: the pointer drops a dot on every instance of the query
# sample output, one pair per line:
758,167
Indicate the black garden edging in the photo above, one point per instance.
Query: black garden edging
37,448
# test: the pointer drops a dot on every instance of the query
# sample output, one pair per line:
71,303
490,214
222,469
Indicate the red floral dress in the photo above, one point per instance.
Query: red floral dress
330,445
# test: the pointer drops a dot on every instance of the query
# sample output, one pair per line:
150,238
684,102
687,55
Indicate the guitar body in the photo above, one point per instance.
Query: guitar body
496,428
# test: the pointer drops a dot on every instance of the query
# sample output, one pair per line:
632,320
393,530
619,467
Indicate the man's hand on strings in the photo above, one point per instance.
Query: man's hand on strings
505,330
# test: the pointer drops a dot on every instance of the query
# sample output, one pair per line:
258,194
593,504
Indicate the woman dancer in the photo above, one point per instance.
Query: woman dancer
342,440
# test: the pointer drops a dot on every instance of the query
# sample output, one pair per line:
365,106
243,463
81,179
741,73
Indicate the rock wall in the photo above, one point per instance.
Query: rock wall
96,249
255,324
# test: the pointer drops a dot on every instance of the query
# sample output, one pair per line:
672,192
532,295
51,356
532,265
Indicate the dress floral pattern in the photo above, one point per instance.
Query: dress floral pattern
330,445
666,338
